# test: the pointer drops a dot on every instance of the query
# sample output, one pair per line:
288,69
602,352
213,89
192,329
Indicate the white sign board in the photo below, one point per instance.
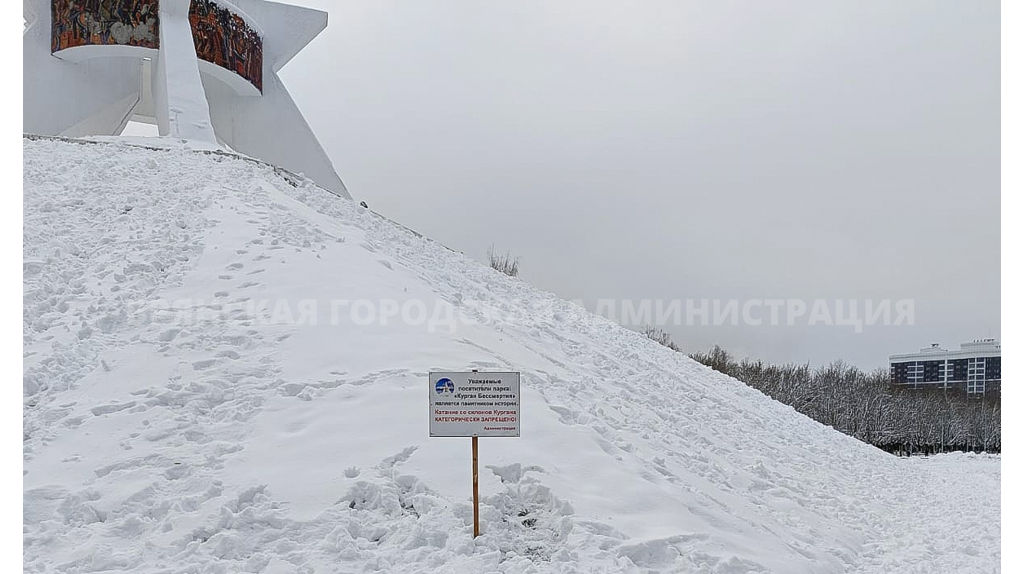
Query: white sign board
474,404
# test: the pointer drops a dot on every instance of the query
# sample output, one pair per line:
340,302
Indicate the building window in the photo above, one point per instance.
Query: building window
976,375
915,372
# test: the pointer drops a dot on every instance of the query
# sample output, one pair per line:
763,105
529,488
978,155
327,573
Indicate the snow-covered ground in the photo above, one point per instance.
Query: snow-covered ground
210,387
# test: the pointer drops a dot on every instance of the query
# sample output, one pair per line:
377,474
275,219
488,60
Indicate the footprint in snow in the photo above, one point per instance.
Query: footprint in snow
513,473
392,461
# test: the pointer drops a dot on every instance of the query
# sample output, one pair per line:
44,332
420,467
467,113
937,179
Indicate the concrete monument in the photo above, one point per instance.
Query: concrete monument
201,70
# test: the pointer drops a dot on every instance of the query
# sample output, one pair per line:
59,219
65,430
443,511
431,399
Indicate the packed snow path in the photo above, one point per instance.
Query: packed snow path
204,394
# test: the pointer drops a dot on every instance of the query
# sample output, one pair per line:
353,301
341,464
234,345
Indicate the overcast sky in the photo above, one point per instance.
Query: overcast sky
686,150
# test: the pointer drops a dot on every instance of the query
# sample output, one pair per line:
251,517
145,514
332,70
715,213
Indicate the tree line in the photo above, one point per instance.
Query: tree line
867,406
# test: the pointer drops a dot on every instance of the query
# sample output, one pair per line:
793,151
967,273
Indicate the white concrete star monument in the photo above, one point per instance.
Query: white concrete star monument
201,70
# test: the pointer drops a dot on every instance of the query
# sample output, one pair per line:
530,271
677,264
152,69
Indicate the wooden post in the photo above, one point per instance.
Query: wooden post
476,492
476,488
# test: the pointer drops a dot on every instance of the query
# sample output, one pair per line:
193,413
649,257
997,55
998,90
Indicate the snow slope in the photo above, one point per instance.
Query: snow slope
203,394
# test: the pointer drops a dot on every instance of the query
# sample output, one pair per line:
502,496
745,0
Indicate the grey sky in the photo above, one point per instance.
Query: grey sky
666,149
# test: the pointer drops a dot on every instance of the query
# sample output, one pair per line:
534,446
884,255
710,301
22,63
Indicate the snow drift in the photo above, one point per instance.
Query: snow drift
225,371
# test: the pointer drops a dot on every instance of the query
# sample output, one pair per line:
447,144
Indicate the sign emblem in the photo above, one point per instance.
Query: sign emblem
444,386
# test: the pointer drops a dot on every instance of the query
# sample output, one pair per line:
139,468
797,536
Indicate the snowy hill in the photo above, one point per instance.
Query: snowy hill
226,367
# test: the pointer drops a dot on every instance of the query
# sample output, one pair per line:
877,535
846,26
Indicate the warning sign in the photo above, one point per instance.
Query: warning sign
474,404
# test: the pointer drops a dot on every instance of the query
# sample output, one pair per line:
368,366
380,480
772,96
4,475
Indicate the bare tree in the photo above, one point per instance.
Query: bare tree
868,406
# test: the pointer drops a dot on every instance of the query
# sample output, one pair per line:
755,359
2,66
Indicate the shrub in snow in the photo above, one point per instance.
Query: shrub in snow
505,263
658,335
